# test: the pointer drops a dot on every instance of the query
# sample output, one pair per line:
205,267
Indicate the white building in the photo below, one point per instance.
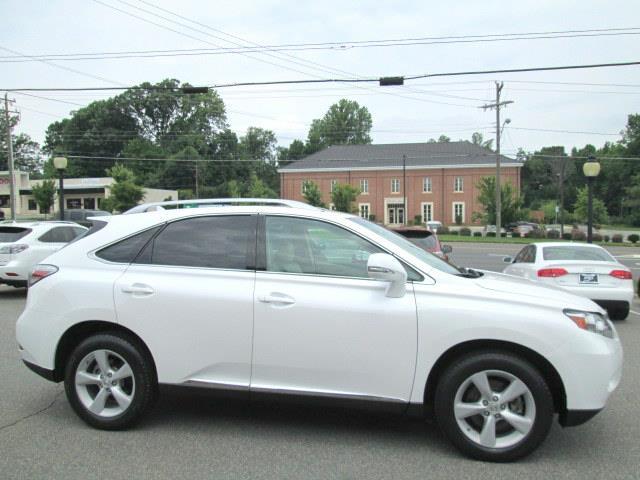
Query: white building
85,193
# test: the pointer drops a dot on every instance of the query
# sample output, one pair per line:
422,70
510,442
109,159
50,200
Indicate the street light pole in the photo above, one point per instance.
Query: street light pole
591,169
60,164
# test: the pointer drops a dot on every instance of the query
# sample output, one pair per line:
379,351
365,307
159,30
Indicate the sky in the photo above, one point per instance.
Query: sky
415,112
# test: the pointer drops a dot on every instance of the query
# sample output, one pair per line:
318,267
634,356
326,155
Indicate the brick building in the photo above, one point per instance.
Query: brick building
438,180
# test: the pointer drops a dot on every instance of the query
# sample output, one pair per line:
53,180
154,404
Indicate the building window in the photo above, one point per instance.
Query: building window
334,183
364,210
458,212
427,211
426,185
90,203
458,184
74,203
32,204
364,186
4,200
395,185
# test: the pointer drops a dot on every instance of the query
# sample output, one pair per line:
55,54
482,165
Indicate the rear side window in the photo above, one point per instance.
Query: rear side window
125,251
206,242
61,235
13,234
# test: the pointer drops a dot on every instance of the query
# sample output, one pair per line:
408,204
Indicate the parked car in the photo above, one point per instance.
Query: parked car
24,244
521,228
426,239
253,299
81,216
583,269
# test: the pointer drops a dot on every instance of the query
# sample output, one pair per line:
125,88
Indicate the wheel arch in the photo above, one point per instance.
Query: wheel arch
547,370
80,331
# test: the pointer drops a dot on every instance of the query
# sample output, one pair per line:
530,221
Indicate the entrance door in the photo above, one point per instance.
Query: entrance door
395,213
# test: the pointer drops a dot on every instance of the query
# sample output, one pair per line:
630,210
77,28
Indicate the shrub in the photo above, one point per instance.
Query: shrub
503,234
633,238
596,237
417,220
616,238
443,230
465,232
566,236
535,234
607,238
453,232
553,234
491,234
458,219
372,218
477,234
578,235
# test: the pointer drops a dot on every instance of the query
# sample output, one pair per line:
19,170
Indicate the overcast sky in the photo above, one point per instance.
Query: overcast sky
412,113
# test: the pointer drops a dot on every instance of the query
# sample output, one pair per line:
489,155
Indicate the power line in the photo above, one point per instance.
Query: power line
336,46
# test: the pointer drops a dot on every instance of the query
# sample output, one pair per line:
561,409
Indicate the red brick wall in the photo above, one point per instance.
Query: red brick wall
442,185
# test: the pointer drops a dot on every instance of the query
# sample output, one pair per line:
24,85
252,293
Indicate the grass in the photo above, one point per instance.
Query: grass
518,240
620,227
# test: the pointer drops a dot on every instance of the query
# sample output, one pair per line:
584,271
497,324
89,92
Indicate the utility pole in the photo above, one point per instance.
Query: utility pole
12,177
497,106
197,182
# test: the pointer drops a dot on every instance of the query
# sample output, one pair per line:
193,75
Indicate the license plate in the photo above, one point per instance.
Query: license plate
588,278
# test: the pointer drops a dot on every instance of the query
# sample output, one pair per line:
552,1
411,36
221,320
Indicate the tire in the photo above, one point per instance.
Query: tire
619,313
467,417
115,400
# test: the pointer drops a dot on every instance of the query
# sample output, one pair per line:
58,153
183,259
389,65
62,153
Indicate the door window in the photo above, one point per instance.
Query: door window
225,241
297,245
61,235
125,251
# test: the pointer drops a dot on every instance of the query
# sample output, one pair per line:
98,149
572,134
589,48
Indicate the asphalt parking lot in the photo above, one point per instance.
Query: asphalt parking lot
199,436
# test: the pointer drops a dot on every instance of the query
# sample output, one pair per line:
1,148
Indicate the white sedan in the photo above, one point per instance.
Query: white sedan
583,269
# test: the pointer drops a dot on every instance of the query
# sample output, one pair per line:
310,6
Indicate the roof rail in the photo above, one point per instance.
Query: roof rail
217,202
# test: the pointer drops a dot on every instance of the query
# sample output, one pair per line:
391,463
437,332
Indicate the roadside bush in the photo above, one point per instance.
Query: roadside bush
491,234
607,238
503,234
535,234
555,234
372,218
616,238
633,238
443,230
465,232
417,220
578,235
477,234
566,236
596,237
453,232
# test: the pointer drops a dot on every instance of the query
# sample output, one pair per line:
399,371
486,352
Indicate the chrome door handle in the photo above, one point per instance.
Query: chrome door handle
283,300
138,289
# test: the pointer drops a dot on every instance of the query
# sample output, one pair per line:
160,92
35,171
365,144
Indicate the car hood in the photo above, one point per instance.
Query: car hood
527,289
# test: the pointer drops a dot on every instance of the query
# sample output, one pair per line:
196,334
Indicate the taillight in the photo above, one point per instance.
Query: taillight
13,249
621,274
552,272
41,271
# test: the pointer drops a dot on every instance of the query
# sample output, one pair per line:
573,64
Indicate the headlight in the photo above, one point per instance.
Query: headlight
593,322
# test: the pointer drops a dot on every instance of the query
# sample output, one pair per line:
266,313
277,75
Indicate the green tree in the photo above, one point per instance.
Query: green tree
510,203
345,123
258,189
441,139
26,152
478,139
632,201
580,210
312,194
124,192
343,196
43,194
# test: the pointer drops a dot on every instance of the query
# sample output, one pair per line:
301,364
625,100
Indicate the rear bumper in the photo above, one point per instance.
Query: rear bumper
598,294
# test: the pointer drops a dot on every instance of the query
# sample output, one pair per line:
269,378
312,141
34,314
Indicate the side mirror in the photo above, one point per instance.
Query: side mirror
507,259
387,268
447,249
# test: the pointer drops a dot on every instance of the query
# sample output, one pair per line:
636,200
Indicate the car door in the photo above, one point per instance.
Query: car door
189,296
322,326
518,267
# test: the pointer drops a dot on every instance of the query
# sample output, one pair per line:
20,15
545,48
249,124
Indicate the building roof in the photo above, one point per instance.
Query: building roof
389,156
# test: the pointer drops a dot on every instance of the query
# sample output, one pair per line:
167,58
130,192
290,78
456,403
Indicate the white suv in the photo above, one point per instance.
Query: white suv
312,303
24,244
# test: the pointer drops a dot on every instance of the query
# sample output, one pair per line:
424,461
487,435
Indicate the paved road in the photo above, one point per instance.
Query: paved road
197,436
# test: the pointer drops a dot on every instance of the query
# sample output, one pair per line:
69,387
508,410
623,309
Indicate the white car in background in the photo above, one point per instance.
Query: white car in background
583,269
304,302
25,244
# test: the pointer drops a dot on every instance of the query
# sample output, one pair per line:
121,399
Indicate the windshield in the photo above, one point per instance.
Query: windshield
407,246
571,252
13,234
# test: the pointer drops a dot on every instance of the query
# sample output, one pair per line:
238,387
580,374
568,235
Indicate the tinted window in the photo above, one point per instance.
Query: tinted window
13,234
576,253
206,242
297,245
125,251
61,235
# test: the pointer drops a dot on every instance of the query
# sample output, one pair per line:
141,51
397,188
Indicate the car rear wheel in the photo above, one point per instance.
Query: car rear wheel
494,406
109,381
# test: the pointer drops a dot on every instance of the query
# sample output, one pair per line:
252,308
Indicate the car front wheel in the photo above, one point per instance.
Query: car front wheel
109,381
494,406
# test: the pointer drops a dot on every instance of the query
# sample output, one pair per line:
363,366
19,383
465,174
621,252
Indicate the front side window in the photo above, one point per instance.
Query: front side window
298,245
426,185
225,241
124,251
458,184
395,185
